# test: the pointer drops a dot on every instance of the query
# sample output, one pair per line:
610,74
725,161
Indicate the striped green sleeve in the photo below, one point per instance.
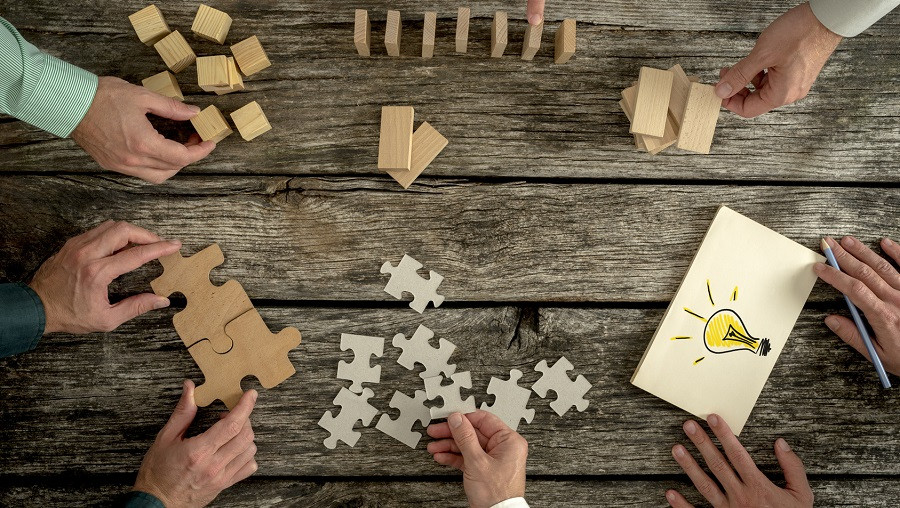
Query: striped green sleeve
40,89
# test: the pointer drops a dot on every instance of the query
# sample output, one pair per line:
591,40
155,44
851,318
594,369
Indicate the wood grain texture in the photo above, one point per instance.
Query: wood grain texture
531,41
698,124
651,102
429,29
395,144
392,33
427,143
649,143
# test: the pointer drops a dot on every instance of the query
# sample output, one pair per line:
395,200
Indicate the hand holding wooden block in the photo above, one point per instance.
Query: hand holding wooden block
211,125
701,113
250,56
165,84
392,33
565,42
462,29
251,121
428,32
149,25
175,51
499,34
395,145
211,24
362,32
652,104
532,42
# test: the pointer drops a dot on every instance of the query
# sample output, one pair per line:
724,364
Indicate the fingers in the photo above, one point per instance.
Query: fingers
236,447
132,307
870,265
854,289
449,459
737,454
751,104
891,248
117,236
487,423
535,11
245,472
711,454
443,446
229,427
676,500
464,434
705,485
176,155
442,431
134,258
794,472
167,107
847,331
738,76
183,414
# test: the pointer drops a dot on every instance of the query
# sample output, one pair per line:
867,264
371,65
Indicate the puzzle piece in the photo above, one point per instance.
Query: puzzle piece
510,400
359,371
209,308
568,393
353,407
411,409
256,351
404,279
450,395
418,349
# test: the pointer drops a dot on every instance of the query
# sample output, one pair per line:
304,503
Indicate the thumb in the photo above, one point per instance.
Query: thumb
794,472
134,306
183,415
738,76
464,434
170,108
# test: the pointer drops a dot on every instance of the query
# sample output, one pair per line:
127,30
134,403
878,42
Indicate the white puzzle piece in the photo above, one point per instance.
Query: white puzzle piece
568,393
360,371
404,279
450,395
510,400
419,350
353,407
411,409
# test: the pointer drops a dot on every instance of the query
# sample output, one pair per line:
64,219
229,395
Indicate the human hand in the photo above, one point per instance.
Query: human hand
191,472
117,134
535,12
782,67
873,285
74,283
490,455
745,485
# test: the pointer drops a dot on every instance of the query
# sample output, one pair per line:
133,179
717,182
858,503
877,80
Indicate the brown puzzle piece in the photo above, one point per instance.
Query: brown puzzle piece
257,352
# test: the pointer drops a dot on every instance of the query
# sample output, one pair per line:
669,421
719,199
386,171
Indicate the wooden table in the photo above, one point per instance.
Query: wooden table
555,236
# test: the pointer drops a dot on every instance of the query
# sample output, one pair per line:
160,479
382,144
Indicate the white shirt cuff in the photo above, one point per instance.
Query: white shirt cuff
516,502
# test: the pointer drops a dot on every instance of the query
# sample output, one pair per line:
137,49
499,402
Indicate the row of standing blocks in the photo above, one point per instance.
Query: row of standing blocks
362,35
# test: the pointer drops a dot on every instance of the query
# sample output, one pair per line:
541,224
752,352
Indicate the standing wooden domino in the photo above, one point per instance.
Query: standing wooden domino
418,349
450,395
428,32
175,51
564,47
651,106
650,144
250,56
427,143
532,42
250,121
353,408
212,72
211,125
362,32
510,400
165,84
568,393
701,113
404,279
681,86
499,34
149,25
395,144
360,371
412,409
211,24
462,29
392,32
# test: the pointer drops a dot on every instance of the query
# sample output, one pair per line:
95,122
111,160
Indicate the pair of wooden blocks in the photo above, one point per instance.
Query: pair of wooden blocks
151,27
667,107
402,153
362,35
250,121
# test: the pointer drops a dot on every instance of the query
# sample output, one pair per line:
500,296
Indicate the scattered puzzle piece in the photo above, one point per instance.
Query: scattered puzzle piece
359,371
450,395
568,393
353,407
404,279
510,400
411,409
419,350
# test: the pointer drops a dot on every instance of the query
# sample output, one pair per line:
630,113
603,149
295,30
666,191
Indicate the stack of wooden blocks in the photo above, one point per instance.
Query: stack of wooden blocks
667,107
219,74
403,153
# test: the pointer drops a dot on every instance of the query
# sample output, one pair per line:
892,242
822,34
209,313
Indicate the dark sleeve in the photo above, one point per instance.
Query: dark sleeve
136,499
21,319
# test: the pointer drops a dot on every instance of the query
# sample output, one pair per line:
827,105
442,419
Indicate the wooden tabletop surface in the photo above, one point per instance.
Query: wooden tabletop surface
554,235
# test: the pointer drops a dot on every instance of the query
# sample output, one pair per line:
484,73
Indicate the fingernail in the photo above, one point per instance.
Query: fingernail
833,323
690,427
848,241
782,445
723,90
679,451
888,242
535,19
255,395
819,267
176,243
194,109
713,420
162,303
670,495
455,420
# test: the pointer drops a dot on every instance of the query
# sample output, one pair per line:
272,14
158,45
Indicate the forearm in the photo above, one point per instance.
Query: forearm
849,18
40,89
21,319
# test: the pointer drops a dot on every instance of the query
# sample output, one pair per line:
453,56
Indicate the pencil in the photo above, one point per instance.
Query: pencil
882,375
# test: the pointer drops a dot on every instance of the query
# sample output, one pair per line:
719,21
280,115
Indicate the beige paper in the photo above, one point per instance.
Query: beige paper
729,320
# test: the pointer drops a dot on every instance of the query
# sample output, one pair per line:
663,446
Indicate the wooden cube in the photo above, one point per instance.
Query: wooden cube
164,83
175,51
565,42
212,72
499,34
395,145
462,29
211,24
149,25
211,125
250,56
532,42
235,82
392,32
251,121
362,32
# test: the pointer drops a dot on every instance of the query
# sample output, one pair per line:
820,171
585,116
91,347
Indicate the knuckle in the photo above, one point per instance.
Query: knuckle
252,449
233,427
129,160
196,457
858,288
90,271
866,273
883,266
706,489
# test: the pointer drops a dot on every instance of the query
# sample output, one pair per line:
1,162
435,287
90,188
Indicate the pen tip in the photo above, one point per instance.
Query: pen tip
825,245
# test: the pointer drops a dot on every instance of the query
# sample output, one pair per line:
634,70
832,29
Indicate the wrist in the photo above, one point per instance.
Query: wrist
51,322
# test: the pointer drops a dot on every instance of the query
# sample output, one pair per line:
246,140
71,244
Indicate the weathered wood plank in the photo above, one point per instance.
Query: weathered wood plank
325,239
93,404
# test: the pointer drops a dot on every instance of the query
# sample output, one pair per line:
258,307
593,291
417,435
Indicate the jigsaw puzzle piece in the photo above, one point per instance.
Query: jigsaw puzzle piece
510,400
404,279
187,275
412,409
568,393
360,371
419,350
450,395
353,407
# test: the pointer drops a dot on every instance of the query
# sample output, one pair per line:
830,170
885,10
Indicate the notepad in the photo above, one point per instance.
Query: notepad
729,321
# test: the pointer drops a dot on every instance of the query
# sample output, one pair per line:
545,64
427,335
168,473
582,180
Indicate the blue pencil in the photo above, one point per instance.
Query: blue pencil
882,375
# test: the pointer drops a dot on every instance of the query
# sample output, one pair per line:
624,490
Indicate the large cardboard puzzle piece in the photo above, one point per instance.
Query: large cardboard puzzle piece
419,350
209,308
359,370
353,407
256,352
450,395
568,393
510,400
412,409
404,279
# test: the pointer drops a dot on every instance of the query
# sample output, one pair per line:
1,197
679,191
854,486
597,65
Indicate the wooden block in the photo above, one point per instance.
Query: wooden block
164,83
392,32
250,56
532,42
395,146
212,72
235,82
694,79
462,29
681,85
651,144
362,33
250,121
565,42
638,139
701,113
499,34
651,106
211,125
149,25
427,143
211,24
175,52
428,32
